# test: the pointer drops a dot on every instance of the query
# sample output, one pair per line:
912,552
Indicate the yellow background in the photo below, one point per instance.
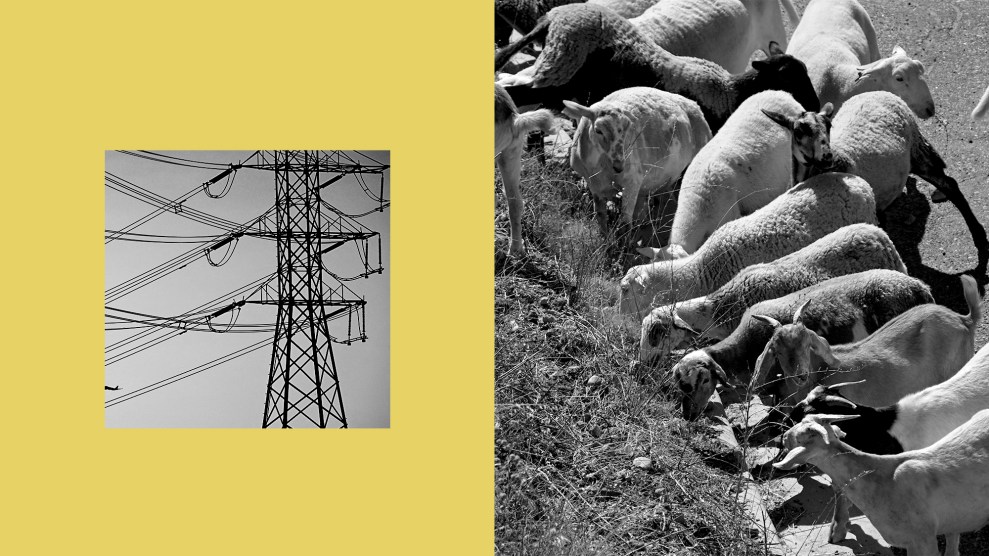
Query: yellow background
411,77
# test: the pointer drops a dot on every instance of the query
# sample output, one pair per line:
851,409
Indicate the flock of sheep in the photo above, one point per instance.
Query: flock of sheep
784,166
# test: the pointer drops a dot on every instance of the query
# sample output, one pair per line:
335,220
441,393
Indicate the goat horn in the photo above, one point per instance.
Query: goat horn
828,419
839,401
843,384
768,320
797,314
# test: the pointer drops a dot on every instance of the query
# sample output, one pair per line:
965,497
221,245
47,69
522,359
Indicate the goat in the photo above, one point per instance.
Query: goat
911,497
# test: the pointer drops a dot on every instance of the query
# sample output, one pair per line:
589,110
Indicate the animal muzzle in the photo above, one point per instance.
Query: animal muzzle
618,166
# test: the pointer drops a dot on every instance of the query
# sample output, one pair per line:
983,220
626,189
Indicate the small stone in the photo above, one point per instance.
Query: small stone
642,462
595,381
596,431
544,301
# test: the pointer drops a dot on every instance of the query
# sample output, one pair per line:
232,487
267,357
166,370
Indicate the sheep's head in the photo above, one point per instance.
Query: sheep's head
608,129
782,72
663,331
902,76
809,439
791,346
697,374
810,137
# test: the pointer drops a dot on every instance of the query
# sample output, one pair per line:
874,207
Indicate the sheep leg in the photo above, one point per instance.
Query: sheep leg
839,525
601,215
951,544
925,546
949,187
510,164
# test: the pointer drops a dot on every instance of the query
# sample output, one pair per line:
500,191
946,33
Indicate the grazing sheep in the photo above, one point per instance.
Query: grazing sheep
911,497
915,421
626,8
982,107
725,32
744,167
590,52
836,40
919,348
876,137
521,16
854,248
792,221
511,129
845,309
638,141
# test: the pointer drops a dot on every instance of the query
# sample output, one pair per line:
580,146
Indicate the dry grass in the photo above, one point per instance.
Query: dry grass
565,482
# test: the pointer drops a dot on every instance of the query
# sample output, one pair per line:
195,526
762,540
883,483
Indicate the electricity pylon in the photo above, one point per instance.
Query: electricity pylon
303,385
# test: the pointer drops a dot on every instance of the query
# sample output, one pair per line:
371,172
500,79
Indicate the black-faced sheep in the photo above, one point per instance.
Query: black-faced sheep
876,136
590,52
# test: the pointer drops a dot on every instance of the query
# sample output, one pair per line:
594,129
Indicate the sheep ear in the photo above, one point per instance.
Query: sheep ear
577,111
781,119
827,419
720,373
762,366
898,51
774,49
822,349
827,111
799,312
768,320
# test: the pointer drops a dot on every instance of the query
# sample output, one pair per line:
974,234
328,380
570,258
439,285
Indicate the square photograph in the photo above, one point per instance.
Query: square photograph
740,261
247,289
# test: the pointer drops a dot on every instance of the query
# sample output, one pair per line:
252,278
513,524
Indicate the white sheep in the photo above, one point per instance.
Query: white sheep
854,248
589,52
511,129
845,309
875,136
626,8
982,108
744,167
795,219
726,32
911,497
916,421
836,40
919,348
637,141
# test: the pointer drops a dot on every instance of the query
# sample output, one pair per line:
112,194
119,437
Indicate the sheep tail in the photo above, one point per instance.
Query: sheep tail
538,33
531,121
982,108
971,292
791,12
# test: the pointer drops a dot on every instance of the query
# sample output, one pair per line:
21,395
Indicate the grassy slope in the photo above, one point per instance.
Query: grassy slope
565,481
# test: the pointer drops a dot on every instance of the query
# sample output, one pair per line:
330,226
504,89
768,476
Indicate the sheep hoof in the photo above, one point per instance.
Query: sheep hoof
938,197
517,249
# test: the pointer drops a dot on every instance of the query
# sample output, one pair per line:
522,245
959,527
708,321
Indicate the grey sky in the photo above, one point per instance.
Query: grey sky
231,394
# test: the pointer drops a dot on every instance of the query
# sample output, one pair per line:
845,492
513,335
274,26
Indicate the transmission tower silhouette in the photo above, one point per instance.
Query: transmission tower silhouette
303,383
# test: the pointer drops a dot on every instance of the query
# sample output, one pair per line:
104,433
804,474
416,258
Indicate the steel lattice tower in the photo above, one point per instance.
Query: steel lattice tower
303,384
